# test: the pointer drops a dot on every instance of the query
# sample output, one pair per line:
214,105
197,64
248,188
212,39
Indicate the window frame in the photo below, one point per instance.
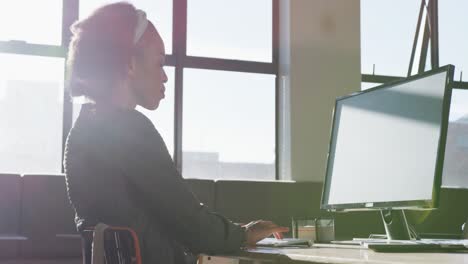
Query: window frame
433,23
178,59
182,60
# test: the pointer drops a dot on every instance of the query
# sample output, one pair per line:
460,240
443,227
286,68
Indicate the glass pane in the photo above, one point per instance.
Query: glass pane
159,12
162,118
31,112
452,38
239,29
32,21
456,151
228,125
387,33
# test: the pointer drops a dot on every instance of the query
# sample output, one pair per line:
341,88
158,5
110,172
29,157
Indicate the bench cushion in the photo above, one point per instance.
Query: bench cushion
48,218
278,201
10,204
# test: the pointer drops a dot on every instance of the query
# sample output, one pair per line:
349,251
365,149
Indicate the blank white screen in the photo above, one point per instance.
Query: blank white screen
385,142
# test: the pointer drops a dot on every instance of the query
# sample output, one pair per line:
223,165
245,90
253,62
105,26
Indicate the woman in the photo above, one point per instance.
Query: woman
118,169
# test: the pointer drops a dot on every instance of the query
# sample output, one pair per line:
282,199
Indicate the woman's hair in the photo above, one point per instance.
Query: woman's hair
100,51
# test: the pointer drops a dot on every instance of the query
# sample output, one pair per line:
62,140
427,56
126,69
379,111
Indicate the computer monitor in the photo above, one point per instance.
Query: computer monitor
387,146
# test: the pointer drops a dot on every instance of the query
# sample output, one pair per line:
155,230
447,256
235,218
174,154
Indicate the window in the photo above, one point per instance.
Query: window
229,125
220,98
37,22
31,102
456,151
159,12
452,40
387,42
163,117
239,30
452,50
387,33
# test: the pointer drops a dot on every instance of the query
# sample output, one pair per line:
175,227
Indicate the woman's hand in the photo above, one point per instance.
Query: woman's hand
258,230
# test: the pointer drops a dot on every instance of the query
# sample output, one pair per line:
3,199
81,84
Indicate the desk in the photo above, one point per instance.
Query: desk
344,256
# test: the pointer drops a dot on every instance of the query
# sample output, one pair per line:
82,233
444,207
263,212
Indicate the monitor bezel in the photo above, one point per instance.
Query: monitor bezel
412,204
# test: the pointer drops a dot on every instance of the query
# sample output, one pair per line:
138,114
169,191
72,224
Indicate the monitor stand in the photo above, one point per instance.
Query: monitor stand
396,225
396,228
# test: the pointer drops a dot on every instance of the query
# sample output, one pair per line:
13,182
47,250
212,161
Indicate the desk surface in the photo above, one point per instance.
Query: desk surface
347,256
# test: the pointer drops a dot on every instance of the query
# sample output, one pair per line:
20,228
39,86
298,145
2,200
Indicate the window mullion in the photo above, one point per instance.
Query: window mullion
179,48
275,60
70,15
24,48
228,65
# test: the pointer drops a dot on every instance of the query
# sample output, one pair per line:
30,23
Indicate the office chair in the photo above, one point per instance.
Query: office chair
113,245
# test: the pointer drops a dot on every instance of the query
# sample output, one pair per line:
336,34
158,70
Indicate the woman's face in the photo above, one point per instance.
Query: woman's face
149,77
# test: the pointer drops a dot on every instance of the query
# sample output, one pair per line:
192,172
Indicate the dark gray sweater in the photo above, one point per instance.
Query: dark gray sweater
119,172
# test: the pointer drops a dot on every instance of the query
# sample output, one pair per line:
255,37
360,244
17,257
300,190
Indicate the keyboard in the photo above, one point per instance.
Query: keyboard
286,242
383,245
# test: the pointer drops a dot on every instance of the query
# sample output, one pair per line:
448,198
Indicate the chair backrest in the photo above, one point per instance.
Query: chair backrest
120,245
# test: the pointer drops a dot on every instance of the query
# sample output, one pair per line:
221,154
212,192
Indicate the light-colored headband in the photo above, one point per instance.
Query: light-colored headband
142,24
